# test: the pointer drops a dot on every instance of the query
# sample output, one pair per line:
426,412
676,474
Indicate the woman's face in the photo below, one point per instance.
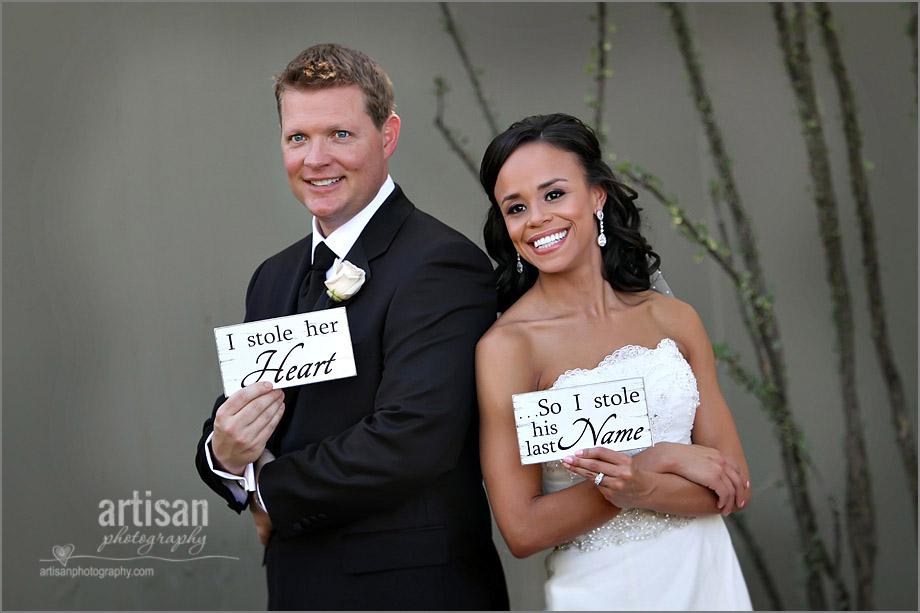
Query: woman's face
548,206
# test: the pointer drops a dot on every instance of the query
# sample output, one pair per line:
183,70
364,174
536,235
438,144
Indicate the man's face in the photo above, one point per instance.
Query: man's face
335,158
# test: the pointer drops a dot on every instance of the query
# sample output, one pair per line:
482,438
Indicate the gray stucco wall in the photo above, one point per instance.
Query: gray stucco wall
143,183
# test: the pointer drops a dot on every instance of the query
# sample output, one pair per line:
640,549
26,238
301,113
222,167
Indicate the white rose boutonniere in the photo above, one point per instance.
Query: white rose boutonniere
345,281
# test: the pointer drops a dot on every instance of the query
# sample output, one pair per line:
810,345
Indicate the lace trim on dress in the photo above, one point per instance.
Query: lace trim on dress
626,352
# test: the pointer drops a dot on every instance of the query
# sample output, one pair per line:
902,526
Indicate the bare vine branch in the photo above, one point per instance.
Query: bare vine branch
715,197
859,507
746,241
912,33
696,232
756,309
756,304
451,26
601,73
859,184
449,134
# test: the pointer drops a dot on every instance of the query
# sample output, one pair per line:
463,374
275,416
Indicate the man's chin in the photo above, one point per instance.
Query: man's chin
328,218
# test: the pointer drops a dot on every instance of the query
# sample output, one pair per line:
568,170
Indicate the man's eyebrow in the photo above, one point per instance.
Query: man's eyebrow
541,186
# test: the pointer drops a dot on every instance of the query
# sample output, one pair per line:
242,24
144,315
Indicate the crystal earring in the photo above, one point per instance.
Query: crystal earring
520,265
601,238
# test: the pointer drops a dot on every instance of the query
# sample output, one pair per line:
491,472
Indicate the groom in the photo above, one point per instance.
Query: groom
371,484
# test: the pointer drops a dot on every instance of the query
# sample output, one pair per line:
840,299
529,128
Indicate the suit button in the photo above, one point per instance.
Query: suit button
313,518
297,527
321,515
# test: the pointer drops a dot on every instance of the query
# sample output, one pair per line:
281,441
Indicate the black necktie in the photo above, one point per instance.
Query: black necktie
314,284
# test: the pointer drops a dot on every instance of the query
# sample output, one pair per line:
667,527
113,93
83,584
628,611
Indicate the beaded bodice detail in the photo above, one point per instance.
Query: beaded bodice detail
672,397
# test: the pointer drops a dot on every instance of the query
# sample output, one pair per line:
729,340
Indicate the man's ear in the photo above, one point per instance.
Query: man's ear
390,131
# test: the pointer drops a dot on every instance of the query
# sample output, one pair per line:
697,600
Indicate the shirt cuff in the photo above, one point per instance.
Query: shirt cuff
259,499
237,484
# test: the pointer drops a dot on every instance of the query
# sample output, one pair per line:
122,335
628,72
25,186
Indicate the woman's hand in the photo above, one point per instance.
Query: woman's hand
703,465
624,483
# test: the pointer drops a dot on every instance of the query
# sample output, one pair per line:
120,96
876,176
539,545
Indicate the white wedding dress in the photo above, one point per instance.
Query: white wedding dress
643,560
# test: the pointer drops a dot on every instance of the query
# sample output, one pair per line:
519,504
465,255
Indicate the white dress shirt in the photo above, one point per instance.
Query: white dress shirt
340,241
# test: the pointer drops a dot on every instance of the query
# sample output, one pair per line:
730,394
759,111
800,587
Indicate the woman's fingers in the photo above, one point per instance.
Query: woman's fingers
739,484
727,503
581,472
616,467
603,454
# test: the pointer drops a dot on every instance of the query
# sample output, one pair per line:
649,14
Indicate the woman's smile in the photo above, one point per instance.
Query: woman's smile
547,242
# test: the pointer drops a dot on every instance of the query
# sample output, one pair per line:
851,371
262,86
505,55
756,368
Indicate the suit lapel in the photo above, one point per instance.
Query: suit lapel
290,294
383,226
357,257
373,242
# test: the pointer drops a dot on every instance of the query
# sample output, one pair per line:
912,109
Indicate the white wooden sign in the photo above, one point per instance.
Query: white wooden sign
556,423
287,351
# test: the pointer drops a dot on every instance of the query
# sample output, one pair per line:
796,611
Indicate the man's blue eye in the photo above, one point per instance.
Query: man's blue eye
341,134
297,138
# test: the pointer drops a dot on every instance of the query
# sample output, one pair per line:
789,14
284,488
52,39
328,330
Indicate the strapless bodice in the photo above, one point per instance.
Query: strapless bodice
672,398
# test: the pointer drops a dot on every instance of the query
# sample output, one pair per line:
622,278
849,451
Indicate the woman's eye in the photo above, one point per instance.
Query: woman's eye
515,208
556,193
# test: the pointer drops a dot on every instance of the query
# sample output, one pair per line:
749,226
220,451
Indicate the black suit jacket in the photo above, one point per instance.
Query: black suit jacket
376,494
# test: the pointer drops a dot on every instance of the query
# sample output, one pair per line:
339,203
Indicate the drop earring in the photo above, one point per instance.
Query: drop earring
601,237
520,265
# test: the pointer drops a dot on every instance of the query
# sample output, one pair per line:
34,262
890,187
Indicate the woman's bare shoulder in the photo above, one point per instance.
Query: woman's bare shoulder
678,321
509,334
515,334
669,312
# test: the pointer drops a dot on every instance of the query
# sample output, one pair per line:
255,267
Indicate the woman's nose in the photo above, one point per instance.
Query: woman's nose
538,215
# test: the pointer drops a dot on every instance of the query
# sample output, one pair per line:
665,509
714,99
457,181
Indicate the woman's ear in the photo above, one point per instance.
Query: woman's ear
600,196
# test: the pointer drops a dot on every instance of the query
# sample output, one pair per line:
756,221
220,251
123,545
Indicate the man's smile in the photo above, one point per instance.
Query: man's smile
324,182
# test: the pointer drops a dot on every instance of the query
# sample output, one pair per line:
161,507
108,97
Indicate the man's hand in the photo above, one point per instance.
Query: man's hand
243,424
264,525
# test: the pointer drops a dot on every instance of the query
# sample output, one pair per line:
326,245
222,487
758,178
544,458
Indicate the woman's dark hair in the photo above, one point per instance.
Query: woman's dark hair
628,259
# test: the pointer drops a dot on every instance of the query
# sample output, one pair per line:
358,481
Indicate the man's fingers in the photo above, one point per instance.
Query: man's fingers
243,431
250,415
269,427
265,416
239,399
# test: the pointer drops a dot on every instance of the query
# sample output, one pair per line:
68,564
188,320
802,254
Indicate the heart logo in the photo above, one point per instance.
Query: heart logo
62,553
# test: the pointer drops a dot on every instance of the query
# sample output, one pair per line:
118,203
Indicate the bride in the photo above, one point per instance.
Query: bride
640,531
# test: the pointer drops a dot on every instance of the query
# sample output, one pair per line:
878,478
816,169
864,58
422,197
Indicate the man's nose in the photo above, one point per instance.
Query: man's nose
316,154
